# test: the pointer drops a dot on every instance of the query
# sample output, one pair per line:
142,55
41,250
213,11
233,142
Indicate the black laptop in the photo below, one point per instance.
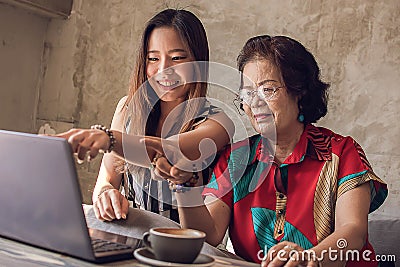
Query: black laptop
41,203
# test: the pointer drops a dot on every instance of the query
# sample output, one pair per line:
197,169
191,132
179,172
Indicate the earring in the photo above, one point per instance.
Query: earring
300,118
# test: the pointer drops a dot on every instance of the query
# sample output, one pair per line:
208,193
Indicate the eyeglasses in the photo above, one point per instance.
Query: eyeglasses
265,92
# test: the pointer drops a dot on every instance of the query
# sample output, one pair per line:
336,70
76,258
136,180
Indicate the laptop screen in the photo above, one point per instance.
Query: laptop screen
40,199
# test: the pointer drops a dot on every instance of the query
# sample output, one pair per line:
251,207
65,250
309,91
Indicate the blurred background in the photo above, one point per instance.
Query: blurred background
66,63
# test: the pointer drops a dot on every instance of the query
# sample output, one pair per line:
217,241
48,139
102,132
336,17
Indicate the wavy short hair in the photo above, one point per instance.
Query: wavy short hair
298,68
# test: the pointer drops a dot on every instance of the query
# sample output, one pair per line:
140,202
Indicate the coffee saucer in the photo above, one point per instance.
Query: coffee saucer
147,257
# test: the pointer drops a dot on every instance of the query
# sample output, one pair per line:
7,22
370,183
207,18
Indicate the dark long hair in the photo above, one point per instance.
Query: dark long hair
298,68
194,37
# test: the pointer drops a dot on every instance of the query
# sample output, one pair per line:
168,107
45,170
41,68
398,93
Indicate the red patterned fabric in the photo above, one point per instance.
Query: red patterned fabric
263,214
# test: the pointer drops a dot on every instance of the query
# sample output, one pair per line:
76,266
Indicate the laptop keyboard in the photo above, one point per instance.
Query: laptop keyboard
100,245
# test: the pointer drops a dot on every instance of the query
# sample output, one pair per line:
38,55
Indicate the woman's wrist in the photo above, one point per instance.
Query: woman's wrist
110,135
184,187
102,190
190,198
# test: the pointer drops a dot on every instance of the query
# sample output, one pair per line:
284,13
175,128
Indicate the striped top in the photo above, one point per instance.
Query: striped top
154,194
296,200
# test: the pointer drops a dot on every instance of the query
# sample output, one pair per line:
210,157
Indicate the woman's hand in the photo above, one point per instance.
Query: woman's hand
110,205
86,140
164,151
289,254
169,172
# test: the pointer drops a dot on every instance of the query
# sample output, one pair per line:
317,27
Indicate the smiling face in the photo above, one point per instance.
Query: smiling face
280,112
166,74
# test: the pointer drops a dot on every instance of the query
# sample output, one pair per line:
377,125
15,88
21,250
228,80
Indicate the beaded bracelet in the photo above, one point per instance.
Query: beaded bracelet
109,133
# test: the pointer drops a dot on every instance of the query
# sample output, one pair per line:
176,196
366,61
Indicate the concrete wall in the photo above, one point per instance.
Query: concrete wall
21,70
357,44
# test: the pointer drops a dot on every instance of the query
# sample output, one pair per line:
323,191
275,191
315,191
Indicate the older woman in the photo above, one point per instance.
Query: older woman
300,192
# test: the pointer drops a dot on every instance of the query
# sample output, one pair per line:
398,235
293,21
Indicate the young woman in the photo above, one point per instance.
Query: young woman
166,99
